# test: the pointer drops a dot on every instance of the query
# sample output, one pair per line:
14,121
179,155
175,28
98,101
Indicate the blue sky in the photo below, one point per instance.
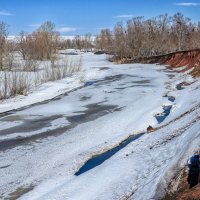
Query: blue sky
74,17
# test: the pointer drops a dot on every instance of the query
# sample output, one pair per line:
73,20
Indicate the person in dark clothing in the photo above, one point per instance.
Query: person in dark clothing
194,169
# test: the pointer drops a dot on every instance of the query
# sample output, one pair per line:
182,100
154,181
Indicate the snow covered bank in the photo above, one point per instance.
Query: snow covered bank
50,90
44,92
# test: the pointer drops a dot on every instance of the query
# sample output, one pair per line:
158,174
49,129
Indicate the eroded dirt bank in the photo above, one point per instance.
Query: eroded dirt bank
187,59
179,188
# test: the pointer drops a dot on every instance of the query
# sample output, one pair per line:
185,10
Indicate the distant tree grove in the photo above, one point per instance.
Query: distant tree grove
141,37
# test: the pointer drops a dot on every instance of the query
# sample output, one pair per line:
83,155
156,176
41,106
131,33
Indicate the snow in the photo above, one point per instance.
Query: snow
133,94
45,92
70,37
50,90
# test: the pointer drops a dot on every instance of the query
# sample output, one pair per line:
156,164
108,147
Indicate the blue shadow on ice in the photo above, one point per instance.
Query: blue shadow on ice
99,159
161,117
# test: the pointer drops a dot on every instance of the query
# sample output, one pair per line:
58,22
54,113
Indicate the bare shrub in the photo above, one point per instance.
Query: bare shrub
53,59
3,40
14,83
4,85
22,44
19,84
104,40
9,56
38,78
61,69
30,65
9,60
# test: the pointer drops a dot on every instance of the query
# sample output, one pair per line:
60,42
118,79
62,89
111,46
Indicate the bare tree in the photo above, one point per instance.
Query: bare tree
3,40
120,41
135,36
22,44
87,41
104,40
9,55
180,28
41,44
78,42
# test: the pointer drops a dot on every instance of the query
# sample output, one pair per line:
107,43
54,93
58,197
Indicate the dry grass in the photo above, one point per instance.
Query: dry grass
30,65
61,69
13,83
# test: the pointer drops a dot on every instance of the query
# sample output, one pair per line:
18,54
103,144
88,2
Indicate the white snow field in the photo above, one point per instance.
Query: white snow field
44,145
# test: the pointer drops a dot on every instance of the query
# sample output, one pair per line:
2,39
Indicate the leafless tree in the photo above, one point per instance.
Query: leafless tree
22,44
87,41
3,40
104,40
9,55
180,28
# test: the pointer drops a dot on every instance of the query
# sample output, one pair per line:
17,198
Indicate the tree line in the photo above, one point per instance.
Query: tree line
138,37
141,37
78,42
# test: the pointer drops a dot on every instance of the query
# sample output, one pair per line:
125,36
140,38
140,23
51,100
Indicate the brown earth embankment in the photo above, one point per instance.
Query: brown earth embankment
190,60
183,192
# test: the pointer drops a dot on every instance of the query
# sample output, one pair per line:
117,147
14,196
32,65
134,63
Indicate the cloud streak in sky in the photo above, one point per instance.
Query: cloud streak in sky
5,13
186,4
66,29
123,16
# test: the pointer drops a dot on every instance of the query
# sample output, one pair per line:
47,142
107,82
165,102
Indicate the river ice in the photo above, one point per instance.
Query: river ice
42,146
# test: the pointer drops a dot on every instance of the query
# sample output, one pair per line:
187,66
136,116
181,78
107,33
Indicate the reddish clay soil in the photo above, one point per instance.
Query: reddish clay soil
190,59
193,194
183,192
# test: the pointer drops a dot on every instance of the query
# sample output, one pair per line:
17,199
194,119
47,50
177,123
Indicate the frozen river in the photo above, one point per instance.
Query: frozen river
44,145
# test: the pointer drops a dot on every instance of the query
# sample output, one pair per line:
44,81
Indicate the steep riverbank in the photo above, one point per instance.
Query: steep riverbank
188,60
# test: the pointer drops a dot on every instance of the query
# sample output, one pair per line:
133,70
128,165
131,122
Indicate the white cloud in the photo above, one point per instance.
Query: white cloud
123,16
186,4
66,29
5,13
